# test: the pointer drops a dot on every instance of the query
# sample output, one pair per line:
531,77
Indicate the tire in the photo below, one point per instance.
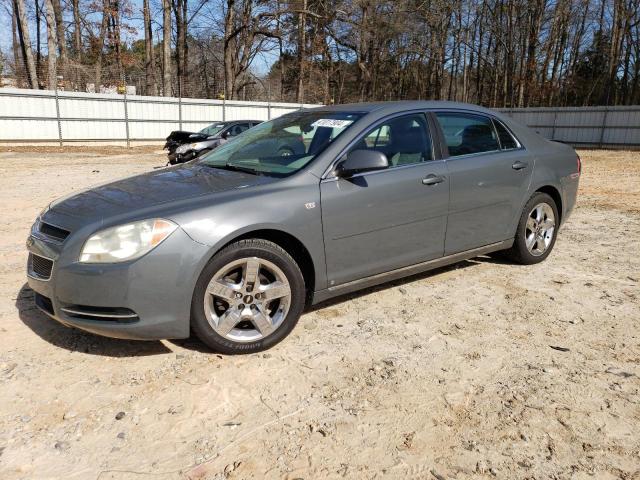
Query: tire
226,311
526,251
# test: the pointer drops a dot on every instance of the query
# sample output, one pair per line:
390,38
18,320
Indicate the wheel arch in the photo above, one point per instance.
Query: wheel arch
554,193
292,245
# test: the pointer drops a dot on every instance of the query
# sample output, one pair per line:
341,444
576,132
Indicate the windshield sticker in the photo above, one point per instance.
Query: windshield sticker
330,122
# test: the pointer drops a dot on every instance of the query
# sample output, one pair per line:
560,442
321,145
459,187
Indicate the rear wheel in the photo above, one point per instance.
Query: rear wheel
537,229
248,297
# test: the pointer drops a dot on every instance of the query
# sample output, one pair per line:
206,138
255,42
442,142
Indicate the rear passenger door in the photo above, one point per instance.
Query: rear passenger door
489,175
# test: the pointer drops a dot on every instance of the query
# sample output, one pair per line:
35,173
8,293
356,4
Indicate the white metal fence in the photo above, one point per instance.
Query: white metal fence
47,116
72,117
590,127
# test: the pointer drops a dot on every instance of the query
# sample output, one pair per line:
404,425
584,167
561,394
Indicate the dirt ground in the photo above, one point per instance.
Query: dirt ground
481,370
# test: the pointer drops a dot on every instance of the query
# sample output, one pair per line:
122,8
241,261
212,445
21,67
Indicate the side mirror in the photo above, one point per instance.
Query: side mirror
226,134
359,161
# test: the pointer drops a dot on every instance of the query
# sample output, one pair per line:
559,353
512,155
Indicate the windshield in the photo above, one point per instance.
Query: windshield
282,146
212,129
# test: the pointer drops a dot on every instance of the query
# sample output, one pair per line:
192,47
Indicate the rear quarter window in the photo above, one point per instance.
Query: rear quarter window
507,140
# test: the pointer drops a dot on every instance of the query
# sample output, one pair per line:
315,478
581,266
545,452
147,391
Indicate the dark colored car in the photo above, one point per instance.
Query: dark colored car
234,245
184,146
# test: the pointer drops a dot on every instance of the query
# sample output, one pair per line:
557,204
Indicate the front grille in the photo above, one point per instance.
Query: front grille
54,232
40,267
44,303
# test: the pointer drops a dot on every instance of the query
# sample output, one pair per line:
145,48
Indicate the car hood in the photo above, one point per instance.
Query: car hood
182,136
141,192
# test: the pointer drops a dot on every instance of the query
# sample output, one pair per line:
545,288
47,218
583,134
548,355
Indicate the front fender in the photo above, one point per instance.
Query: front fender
291,207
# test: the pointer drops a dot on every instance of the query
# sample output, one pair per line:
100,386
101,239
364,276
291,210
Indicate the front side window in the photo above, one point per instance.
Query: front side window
284,145
404,140
466,133
239,128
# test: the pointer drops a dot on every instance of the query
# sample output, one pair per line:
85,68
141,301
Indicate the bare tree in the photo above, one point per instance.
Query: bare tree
52,46
149,53
166,48
60,37
99,44
77,31
25,42
493,52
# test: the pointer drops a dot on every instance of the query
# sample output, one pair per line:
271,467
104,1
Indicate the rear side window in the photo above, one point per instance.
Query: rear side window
466,134
507,141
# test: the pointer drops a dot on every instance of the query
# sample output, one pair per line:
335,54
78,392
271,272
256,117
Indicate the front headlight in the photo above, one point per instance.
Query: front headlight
183,148
126,242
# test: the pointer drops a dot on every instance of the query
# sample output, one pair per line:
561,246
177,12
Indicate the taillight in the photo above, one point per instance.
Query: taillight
579,162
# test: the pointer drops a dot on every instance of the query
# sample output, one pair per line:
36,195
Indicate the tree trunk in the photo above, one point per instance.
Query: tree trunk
100,45
77,32
180,10
38,32
302,44
229,22
166,48
62,43
149,54
25,43
52,46
17,61
185,46
117,42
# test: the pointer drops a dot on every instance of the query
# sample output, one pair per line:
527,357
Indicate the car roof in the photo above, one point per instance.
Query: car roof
400,106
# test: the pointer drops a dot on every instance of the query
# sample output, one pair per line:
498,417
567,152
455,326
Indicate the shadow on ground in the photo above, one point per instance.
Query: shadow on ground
403,281
76,340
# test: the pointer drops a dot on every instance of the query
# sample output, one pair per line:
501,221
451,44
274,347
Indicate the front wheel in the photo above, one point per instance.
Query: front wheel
248,298
537,230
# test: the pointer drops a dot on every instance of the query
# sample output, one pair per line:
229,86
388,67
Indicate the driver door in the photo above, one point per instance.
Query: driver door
378,221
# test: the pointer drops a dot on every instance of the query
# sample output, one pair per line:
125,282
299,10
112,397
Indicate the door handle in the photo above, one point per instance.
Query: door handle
519,165
432,179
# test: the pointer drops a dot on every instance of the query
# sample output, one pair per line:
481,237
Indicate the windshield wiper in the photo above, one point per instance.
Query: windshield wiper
240,168
236,168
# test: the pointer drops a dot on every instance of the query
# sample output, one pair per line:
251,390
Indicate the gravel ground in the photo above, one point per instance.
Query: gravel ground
479,370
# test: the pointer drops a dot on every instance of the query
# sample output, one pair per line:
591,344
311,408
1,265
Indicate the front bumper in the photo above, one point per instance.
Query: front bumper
147,299
182,157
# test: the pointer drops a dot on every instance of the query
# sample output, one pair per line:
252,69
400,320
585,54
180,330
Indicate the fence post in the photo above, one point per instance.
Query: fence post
604,125
269,102
224,100
126,111
58,113
555,120
179,104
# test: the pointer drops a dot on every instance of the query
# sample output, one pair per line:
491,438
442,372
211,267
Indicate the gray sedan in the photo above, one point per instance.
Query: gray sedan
235,245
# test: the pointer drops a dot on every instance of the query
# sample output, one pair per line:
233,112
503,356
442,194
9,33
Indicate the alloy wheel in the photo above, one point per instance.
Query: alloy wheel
540,228
247,299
